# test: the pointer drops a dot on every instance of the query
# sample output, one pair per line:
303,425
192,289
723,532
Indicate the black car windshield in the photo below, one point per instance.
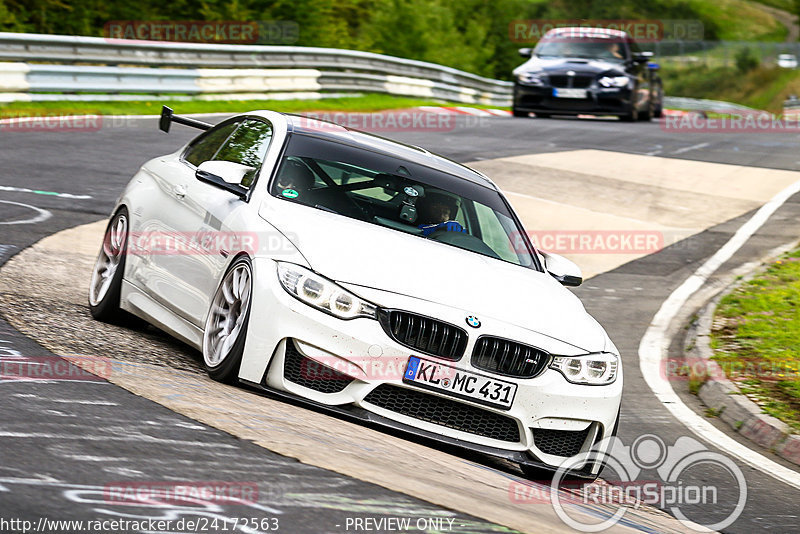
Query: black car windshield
400,195
606,49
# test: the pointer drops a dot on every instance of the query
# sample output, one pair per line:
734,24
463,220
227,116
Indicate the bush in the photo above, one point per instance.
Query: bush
746,60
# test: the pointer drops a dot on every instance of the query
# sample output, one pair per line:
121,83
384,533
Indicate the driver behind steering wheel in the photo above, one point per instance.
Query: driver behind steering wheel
435,212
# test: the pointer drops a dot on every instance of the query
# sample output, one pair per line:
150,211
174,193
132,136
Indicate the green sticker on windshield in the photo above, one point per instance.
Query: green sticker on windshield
289,193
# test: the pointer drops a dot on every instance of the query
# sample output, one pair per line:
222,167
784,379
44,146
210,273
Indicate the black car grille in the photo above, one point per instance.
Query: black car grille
579,82
508,358
560,442
444,412
424,334
312,374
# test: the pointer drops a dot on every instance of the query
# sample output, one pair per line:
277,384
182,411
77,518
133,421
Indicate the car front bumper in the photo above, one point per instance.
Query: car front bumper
343,363
599,101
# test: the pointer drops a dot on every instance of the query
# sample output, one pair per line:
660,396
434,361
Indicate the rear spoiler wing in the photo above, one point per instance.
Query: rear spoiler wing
167,118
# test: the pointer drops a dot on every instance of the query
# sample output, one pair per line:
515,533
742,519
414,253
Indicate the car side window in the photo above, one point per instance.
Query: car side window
248,145
206,146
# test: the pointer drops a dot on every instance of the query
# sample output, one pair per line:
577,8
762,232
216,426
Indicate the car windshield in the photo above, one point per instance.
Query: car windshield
400,195
607,49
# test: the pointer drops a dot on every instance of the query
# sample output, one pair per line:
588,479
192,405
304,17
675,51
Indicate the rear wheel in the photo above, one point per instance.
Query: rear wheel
543,115
226,324
106,284
519,113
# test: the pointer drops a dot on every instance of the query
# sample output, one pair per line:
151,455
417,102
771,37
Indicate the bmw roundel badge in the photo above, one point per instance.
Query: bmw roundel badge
473,321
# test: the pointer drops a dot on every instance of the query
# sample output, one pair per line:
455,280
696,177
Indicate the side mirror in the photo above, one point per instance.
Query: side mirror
526,52
225,174
642,57
562,269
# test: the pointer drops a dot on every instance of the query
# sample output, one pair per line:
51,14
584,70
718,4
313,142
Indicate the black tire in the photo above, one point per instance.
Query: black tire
631,116
105,286
646,116
658,112
543,115
519,113
223,364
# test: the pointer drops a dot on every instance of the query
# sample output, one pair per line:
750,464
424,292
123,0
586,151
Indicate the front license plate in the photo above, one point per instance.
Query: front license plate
569,93
459,383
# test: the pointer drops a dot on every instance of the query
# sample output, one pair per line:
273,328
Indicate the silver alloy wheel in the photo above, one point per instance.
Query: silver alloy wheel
228,313
109,259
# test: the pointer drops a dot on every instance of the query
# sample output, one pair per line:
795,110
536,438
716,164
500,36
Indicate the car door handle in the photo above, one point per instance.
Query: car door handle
179,190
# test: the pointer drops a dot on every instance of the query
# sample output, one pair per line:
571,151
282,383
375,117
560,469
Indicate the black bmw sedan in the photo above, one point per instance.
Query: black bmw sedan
574,71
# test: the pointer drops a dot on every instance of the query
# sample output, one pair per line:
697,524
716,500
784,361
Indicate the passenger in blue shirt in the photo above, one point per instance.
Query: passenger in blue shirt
436,212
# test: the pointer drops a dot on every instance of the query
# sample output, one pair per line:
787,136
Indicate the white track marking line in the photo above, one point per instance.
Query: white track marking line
690,148
655,342
42,216
39,192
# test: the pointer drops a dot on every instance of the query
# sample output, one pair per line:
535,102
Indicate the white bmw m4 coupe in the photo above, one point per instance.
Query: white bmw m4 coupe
365,277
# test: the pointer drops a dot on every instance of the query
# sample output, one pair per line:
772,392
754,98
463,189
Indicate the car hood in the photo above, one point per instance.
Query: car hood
562,65
368,255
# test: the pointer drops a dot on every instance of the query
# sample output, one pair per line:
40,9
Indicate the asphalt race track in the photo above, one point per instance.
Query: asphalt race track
64,443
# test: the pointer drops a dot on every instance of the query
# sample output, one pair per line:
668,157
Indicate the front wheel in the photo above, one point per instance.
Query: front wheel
106,284
226,325
658,112
632,115
648,114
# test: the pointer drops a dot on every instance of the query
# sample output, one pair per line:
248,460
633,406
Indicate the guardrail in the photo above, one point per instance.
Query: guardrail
115,68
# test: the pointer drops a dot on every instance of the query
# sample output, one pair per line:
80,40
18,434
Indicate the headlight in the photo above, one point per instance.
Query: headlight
592,369
614,81
530,78
319,292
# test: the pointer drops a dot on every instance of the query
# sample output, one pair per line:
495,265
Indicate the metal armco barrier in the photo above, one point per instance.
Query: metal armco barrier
113,69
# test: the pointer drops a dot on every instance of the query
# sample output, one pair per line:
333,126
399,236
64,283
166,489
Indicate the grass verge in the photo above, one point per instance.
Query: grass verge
756,339
366,103
761,88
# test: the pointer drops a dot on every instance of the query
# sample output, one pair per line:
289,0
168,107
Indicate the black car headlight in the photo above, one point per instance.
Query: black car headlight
323,294
598,369
614,81
530,78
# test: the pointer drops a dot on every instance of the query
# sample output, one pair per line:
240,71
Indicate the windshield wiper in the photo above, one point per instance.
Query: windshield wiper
326,208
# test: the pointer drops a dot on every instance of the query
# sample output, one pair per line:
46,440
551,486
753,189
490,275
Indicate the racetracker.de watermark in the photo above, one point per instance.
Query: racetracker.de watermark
209,491
751,122
52,123
390,121
680,369
54,368
205,242
184,31
377,367
642,31
594,241
87,123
